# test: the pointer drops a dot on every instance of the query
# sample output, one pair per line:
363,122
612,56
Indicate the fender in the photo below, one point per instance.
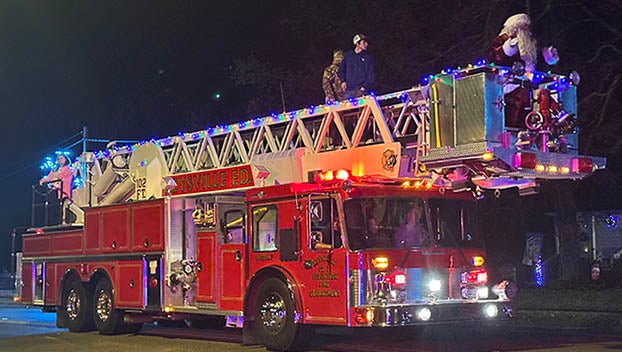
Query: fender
99,272
69,272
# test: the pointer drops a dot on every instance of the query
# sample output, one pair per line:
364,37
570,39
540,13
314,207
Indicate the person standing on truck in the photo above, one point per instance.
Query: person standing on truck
62,175
357,69
330,80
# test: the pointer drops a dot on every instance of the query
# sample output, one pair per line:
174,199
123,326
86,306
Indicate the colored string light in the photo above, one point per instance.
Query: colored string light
458,72
538,272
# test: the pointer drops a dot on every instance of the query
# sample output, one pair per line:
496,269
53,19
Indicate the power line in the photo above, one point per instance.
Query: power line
19,168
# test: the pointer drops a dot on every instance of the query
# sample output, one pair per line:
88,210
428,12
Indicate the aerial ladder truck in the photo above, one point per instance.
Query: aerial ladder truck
281,223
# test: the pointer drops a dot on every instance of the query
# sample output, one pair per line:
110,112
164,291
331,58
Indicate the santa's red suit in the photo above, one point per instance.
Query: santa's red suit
515,44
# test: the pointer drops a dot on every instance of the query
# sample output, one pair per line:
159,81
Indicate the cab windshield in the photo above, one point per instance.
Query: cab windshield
399,222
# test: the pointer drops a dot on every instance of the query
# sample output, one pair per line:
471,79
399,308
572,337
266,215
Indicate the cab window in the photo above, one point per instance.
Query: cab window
233,227
265,225
324,225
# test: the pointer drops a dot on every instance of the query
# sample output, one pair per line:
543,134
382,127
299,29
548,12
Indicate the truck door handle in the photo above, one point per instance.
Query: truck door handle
238,256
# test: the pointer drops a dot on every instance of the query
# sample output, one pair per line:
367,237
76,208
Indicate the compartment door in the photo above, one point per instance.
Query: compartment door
207,271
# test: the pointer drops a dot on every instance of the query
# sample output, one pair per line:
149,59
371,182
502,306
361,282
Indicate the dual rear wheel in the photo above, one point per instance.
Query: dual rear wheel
82,310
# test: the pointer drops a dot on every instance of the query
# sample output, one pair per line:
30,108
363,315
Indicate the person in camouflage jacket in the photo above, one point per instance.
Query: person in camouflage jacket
330,80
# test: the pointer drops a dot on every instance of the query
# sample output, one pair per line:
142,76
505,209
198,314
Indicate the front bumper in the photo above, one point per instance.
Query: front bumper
419,314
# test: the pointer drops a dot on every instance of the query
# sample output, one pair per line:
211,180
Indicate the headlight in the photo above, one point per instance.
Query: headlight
434,285
424,314
491,310
482,292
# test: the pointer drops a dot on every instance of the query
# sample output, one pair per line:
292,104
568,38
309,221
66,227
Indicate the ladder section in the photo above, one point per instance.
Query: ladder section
366,131
346,125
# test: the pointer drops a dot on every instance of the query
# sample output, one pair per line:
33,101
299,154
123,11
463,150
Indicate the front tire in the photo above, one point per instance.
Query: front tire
274,324
76,308
108,321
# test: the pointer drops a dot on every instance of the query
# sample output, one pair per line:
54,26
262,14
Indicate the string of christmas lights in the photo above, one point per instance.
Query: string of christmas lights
557,82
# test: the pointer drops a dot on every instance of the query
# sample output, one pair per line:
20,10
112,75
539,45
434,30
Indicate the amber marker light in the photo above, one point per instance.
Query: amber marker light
380,263
477,260
342,175
552,169
487,156
540,168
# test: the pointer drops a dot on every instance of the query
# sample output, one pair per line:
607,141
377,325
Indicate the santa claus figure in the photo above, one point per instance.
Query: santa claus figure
515,43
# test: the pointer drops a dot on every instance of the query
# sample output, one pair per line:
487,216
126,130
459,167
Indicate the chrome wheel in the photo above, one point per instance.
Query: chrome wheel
72,304
273,313
103,306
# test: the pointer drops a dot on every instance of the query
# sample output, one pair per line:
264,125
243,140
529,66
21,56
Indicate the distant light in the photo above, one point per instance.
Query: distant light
217,96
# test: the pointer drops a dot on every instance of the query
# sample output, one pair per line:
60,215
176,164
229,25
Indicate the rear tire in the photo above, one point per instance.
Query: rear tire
75,311
274,325
108,321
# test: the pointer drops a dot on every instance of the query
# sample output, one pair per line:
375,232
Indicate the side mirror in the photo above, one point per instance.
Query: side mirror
314,238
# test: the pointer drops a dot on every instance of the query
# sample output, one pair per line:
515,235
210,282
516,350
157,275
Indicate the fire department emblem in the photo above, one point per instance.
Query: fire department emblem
389,159
203,215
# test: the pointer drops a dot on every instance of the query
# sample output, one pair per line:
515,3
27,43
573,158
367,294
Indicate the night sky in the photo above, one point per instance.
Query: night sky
126,70
142,69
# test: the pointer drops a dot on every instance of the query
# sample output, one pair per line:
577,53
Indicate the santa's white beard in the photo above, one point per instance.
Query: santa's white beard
527,46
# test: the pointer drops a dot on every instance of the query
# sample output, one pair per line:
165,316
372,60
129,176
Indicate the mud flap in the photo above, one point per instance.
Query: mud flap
60,322
249,336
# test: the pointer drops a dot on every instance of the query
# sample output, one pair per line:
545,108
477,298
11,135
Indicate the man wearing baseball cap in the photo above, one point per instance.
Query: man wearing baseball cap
357,69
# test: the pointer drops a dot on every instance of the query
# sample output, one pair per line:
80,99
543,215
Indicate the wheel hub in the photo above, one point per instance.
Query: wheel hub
103,305
72,305
273,313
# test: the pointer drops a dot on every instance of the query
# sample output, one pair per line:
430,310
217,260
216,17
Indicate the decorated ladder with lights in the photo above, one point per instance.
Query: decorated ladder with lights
450,129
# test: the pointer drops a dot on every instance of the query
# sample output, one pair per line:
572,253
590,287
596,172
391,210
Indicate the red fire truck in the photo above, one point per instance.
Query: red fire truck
358,214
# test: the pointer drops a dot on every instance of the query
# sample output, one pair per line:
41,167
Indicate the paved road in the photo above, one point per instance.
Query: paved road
511,336
17,320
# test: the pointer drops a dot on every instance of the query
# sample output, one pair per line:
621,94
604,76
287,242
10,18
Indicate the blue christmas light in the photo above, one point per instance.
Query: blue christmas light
537,77
538,272
78,182
611,221
48,164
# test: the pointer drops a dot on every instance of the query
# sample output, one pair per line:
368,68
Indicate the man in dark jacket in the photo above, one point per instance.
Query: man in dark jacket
357,69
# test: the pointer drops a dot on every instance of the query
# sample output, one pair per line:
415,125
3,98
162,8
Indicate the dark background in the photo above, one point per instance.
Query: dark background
142,69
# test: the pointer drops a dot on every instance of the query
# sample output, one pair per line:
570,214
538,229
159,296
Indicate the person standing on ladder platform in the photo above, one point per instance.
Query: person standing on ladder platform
330,80
357,69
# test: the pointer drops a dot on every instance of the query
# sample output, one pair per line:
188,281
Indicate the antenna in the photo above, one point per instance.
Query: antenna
282,96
